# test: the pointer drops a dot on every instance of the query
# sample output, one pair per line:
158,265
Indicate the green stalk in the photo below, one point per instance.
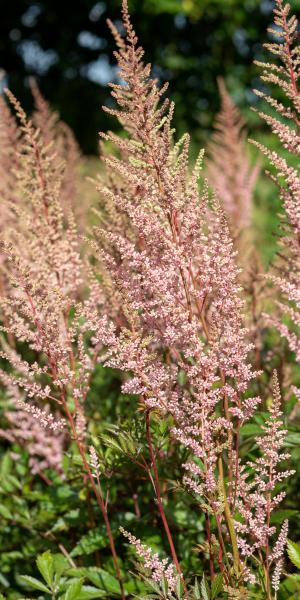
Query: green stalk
229,520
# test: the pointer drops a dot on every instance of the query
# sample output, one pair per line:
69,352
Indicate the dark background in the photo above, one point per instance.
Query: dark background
68,48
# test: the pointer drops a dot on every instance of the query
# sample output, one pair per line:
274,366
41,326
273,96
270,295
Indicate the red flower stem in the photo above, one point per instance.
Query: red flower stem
98,493
160,503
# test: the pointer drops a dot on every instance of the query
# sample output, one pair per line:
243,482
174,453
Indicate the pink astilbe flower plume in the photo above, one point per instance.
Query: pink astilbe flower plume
61,139
42,270
161,569
173,267
40,433
256,492
42,304
284,74
229,168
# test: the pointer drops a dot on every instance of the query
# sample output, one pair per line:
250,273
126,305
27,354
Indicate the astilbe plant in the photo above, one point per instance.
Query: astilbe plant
57,133
256,499
35,431
162,303
284,123
229,168
21,425
180,332
14,203
233,175
44,273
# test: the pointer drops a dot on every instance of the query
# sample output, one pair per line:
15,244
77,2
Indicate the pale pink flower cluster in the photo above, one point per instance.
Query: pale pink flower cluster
46,420
42,269
94,460
229,169
174,270
285,125
256,497
39,432
160,568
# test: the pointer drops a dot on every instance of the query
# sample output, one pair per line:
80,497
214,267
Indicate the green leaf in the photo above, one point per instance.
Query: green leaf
216,586
6,465
294,553
105,581
5,512
179,588
292,439
204,589
11,479
60,564
123,441
251,429
279,516
91,541
3,581
164,587
99,577
111,442
197,590
74,590
88,593
45,566
34,583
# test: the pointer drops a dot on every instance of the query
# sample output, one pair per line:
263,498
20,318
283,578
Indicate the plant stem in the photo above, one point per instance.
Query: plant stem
229,520
211,554
98,494
160,502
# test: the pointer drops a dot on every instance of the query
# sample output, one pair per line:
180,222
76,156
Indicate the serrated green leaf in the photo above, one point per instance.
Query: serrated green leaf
111,442
204,589
164,586
216,586
60,564
197,590
45,566
293,550
91,541
89,593
74,590
179,588
123,441
34,583
152,585
99,577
